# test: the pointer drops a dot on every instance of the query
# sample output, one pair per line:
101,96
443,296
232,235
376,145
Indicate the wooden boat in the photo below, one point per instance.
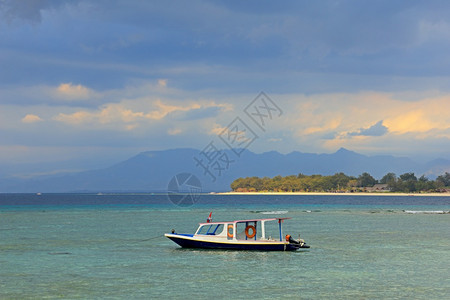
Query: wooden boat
238,235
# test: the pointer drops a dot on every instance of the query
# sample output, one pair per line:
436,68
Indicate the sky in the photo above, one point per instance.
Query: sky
84,84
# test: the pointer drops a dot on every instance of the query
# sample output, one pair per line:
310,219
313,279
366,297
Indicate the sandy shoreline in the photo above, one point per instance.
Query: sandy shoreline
335,194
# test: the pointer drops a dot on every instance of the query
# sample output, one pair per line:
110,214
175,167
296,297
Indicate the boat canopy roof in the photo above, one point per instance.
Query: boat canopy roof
245,221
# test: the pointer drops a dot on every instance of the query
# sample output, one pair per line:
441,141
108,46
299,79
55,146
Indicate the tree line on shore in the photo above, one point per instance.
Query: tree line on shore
339,182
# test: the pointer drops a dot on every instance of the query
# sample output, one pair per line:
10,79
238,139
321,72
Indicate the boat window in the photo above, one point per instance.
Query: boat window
213,229
272,230
252,234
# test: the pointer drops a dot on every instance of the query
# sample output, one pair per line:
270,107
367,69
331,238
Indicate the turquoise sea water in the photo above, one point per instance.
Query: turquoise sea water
111,246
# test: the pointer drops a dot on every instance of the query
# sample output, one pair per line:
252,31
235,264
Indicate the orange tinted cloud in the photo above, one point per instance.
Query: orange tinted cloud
30,118
421,116
73,92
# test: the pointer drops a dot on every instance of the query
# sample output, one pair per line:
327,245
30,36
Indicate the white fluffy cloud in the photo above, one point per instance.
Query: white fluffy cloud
69,91
30,118
130,114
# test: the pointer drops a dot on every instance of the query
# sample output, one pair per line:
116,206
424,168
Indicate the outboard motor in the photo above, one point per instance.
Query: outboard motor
300,242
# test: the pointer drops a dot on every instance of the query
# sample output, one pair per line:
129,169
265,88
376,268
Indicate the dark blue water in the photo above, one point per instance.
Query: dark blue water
162,200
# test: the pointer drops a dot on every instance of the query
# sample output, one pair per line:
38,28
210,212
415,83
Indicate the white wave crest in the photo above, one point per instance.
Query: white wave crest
275,212
434,212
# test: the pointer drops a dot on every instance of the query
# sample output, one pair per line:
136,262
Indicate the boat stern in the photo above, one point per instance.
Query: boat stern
298,244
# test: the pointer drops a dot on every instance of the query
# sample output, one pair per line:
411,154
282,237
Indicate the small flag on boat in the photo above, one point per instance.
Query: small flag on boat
209,218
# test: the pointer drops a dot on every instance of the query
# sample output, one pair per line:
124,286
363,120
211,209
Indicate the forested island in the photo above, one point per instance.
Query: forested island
341,183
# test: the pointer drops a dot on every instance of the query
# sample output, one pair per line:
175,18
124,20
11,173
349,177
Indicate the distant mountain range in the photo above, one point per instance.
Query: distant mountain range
153,170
